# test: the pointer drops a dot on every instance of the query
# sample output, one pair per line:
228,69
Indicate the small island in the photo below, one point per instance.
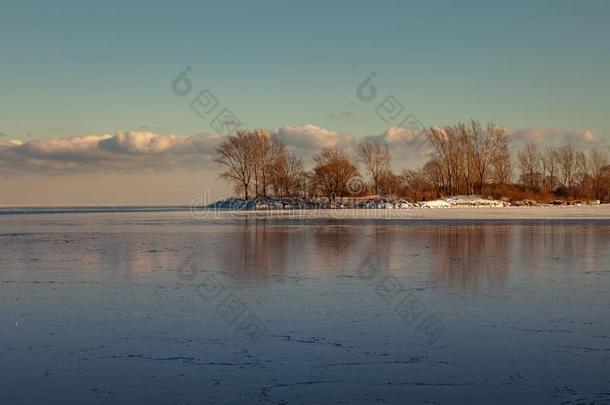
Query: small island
469,165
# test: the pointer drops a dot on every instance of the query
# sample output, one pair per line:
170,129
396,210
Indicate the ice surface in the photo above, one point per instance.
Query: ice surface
122,308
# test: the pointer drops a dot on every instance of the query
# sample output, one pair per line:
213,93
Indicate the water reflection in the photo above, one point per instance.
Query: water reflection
455,255
461,256
251,250
468,255
555,245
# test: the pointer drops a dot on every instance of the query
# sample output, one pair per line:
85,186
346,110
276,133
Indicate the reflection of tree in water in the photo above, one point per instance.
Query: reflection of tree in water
259,249
468,255
332,240
348,248
334,246
465,256
575,246
380,246
256,249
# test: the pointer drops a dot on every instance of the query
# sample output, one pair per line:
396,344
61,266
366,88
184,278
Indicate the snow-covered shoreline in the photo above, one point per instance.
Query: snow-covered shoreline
373,203
588,212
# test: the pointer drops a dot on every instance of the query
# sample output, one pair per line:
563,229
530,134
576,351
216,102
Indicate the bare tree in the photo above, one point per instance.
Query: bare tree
502,168
447,143
416,183
550,160
287,177
469,155
582,174
598,161
604,184
497,162
468,158
376,158
529,162
333,169
435,175
480,150
390,184
265,151
234,152
567,165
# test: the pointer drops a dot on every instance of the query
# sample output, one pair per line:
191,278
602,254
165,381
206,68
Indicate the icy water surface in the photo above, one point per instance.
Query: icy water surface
163,308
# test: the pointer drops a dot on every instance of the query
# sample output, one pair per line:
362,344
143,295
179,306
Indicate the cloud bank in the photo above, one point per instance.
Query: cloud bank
310,138
124,152
579,138
136,151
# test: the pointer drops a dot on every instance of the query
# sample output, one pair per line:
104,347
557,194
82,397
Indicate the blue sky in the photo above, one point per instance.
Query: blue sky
92,70
93,67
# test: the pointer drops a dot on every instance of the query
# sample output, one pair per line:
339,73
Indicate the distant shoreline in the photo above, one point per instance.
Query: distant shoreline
89,209
585,212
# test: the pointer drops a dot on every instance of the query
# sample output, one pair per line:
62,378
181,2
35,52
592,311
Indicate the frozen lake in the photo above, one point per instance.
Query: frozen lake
161,307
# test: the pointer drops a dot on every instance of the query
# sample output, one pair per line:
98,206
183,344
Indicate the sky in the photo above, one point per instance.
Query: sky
89,115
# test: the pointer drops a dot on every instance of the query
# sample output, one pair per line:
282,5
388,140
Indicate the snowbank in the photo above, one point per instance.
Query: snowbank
475,201
264,203
435,204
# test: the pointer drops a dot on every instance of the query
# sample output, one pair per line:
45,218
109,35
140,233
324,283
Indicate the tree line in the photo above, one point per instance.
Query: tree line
468,158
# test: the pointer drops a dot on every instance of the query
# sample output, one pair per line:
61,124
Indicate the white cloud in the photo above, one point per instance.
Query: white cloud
579,138
130,151
311,138
135,142
135,151
77,149
409,147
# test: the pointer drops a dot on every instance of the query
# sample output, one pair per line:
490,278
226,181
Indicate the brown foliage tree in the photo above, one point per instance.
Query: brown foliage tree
599,164
234,152
288,174
376,158
468,156
567,165
529,163
333,169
